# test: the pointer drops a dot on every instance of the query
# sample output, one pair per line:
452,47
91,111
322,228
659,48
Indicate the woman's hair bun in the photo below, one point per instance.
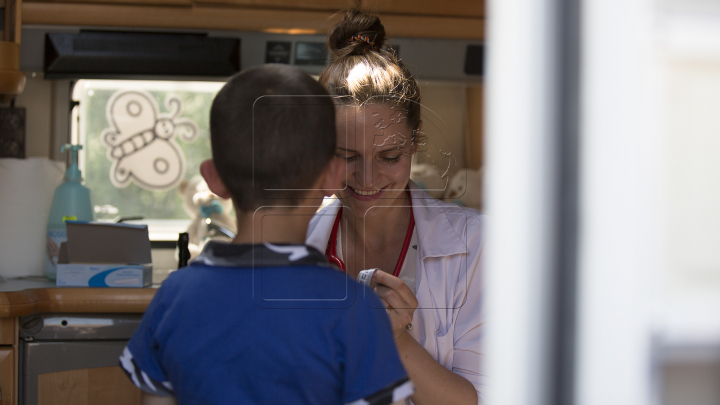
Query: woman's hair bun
361,71
357,33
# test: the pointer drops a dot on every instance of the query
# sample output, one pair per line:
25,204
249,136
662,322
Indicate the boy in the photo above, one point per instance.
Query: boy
266,320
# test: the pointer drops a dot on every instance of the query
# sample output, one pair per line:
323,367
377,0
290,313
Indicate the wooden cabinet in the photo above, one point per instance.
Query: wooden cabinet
8,375
84,386
8,361
456,8
7,331
74,371
12,80
102,385
402,18
280,4
11,12
474,119
452,8
84,371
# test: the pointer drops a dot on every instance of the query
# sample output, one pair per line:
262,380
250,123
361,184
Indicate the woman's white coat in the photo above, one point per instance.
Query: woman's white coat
448,322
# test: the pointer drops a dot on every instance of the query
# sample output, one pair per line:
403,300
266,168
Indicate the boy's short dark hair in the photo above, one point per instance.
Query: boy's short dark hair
272,130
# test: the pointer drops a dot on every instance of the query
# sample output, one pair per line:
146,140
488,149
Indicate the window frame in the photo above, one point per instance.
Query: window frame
160,229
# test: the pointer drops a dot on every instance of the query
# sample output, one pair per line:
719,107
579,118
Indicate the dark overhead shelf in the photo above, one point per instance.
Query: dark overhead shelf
89,54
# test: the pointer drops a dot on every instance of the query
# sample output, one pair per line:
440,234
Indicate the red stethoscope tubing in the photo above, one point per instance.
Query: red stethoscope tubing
331,251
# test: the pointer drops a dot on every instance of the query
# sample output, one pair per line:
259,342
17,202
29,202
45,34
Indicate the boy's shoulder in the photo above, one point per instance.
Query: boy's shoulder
271,275
222,295
219,254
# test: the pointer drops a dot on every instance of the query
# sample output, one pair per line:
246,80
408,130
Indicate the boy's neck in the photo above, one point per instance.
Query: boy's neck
273,225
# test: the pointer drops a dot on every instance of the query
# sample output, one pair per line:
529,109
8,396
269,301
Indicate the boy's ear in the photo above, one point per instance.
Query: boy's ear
333,176
212,178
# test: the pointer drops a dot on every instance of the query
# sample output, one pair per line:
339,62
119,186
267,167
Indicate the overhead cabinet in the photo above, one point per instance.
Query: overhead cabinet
402,18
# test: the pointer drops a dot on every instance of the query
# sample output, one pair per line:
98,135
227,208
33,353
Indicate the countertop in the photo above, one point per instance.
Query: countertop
26,296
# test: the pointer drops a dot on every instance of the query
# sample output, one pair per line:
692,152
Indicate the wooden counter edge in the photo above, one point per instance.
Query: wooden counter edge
75,300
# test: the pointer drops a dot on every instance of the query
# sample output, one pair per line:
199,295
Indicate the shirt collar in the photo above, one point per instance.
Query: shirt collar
265,255
319,232
440,225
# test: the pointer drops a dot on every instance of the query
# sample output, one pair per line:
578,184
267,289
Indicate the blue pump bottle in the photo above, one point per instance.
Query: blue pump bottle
70,202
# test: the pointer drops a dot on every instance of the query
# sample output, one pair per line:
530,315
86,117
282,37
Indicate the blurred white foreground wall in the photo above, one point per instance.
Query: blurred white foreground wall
620,203
647,262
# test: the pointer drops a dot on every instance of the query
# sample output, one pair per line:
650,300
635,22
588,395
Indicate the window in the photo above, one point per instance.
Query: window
140,140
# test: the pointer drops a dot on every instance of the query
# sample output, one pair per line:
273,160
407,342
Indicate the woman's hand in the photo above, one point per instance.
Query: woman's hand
434,383
400,302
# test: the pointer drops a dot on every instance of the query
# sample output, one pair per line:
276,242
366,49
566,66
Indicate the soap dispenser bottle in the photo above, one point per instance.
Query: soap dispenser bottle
70,202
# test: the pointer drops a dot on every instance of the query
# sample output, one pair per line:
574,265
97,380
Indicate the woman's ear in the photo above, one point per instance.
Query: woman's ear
212,178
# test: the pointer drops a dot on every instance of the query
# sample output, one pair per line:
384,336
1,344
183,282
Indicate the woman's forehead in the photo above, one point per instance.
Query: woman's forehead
375,139
376,124
370,110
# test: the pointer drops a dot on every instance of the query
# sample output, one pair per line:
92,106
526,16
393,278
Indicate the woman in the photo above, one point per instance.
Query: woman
428,250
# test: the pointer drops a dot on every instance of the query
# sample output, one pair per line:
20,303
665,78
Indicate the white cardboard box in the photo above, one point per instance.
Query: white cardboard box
105,255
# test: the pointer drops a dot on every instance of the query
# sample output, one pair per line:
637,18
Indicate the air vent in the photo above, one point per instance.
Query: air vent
94,54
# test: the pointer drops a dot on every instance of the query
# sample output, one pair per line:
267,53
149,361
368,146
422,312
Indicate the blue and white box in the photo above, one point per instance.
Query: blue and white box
105,255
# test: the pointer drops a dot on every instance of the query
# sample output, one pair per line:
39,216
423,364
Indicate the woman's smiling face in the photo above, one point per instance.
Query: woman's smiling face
376,142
